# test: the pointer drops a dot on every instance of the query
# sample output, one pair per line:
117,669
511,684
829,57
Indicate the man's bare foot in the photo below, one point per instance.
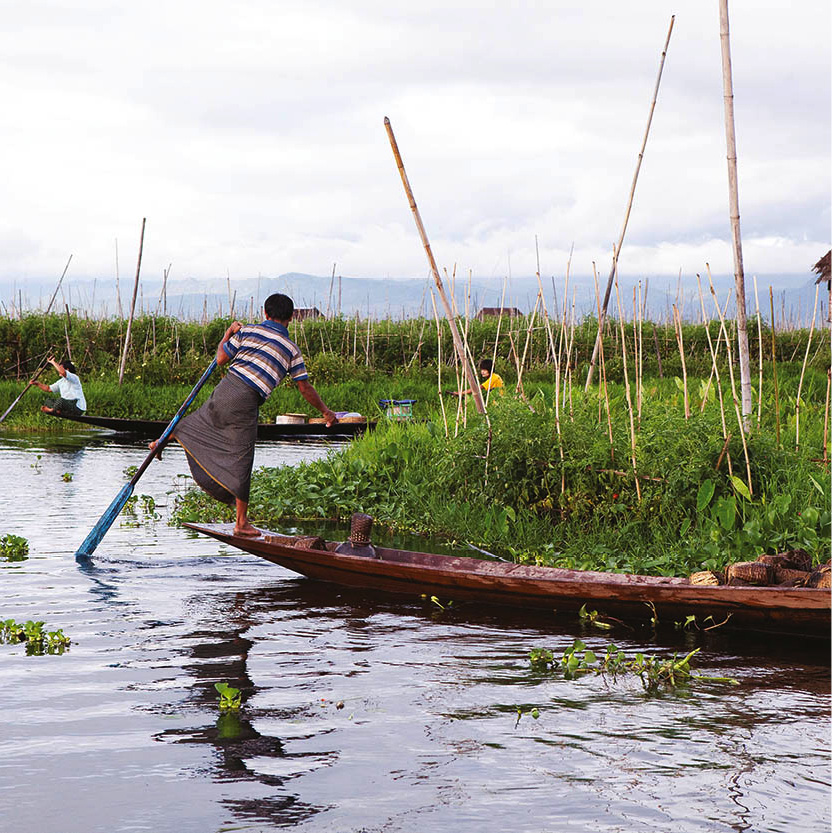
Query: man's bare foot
246,530
152,446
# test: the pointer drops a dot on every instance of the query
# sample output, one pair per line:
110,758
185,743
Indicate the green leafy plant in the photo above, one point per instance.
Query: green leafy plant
230,698
38,641
13,548
656,674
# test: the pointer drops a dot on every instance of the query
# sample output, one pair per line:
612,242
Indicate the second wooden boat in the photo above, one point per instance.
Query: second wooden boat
265,431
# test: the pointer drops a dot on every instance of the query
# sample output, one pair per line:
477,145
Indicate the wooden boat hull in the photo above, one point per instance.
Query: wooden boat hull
265,431
799,611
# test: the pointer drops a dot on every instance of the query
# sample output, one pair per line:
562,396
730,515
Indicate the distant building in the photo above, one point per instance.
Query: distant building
308,313
823,268
511,312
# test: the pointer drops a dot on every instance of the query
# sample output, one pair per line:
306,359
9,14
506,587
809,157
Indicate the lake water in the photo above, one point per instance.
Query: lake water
360,712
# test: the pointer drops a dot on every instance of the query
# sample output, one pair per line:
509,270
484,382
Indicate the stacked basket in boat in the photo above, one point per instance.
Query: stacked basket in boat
790,569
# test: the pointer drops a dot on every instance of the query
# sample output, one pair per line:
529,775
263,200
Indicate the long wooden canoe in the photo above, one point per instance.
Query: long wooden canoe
265,431
799,611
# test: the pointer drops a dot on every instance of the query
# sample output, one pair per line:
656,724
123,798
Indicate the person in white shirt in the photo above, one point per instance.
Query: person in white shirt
70,399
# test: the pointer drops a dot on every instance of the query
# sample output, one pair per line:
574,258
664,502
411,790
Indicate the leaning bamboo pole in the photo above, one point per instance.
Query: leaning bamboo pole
802,372
677,322
460,350
617,249
132,307
627,382
734,206
603,384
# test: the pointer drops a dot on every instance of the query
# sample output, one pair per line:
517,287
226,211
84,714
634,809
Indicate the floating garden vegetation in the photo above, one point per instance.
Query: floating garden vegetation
13,548
38,641
656,674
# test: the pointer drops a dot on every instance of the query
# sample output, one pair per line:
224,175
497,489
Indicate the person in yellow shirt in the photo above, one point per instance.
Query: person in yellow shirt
492,381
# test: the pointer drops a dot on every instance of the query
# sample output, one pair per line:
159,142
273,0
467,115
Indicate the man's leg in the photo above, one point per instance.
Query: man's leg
243,527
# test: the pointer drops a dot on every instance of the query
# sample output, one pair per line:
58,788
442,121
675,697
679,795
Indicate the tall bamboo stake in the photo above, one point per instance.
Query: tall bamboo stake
826,417
497,339
60,281
603,371
470,373
677,322
617,249
759,356
132,307
627,382
439,362
774,365
741,418
734,205
802,372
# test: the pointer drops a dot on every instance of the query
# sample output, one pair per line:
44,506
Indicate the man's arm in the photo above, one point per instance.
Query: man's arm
314,399
222,356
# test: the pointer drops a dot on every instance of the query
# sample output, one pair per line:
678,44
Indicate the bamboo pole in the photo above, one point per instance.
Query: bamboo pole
774,365
826,417
677,323
460,350
627,382
617,249
497,339
740,417
132,307
802,372
759,356
734,207
60,281
603,370
439,361
715,371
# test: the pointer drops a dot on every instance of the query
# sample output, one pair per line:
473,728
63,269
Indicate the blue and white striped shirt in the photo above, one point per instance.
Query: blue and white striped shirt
262,354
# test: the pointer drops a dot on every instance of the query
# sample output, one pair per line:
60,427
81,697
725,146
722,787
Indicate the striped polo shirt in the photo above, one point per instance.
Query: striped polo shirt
262,354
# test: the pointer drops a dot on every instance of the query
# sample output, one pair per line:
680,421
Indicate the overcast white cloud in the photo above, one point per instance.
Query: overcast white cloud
250,134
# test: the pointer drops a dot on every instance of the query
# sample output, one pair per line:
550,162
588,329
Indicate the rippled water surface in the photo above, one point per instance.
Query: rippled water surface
360,712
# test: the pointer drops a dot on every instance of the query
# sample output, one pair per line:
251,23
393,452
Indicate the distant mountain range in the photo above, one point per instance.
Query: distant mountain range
397,298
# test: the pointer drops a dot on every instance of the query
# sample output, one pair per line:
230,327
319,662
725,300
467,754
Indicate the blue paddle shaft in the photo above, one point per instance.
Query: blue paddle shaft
111,513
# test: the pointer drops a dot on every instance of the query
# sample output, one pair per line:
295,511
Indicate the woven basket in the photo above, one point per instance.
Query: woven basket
705,577
821,578
310,543
789,576
799,559
749,573
777,560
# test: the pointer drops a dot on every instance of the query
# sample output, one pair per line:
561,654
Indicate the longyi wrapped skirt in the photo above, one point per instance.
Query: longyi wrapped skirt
219,440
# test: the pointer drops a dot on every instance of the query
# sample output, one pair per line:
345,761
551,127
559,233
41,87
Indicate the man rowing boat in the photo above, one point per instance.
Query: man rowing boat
219,437
70,399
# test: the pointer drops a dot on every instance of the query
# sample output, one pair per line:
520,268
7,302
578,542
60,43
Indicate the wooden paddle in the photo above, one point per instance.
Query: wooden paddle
106,521
20,395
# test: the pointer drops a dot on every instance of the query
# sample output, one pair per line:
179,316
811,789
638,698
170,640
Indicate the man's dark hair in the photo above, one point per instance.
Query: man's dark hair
279,307
67,363
486,365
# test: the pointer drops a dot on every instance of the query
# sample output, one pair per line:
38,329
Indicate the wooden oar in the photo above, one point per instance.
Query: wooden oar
110,514
20,395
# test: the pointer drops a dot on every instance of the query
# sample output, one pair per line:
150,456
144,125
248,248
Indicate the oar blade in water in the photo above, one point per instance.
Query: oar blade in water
104,523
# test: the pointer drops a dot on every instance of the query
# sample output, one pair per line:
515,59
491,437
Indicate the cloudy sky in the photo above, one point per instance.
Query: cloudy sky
250,135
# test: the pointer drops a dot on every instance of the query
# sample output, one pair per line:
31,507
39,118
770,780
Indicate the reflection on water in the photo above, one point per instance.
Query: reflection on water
360,711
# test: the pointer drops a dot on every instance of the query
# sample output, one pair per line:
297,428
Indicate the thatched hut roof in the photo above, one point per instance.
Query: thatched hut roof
823,268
